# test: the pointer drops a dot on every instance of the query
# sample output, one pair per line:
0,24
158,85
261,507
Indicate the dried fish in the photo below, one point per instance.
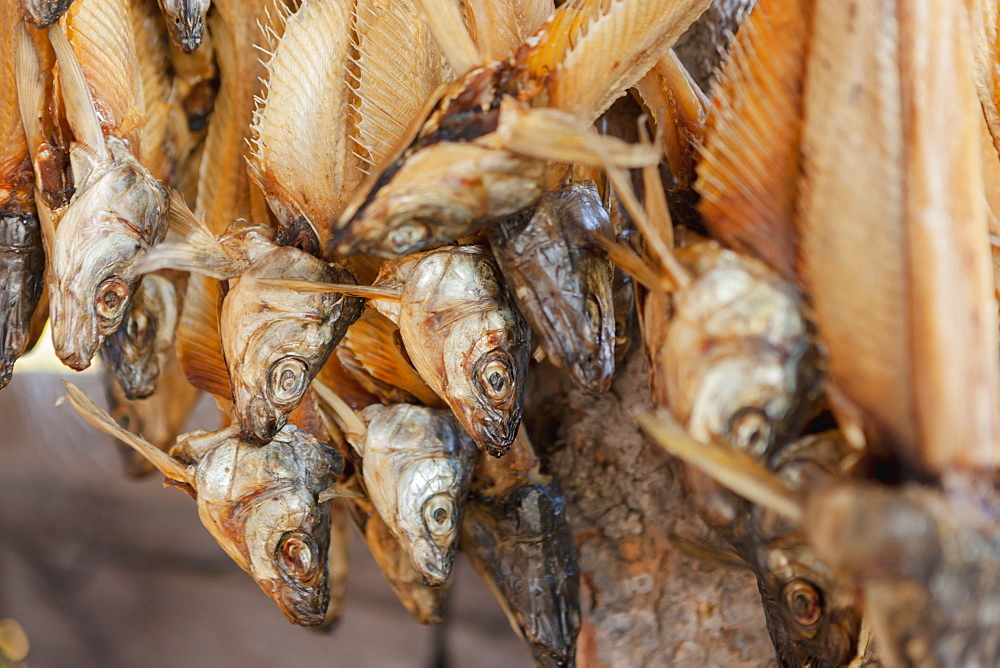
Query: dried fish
136,351
417,468
516,536
476,157
185,21
44,13
561,282
159,418
463,334
263,504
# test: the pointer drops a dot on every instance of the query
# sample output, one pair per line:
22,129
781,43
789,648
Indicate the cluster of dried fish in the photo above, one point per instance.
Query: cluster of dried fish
349,221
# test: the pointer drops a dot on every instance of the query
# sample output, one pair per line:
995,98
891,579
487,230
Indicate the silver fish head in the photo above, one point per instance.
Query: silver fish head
438,194
44,13
22,264
135,351
261,504
740,363
561,283
276,340
185,21
115,216
417,466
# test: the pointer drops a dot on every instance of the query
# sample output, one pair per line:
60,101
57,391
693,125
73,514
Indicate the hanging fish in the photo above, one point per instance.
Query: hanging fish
274,339
44,13
118,210
462,332
516,536
417,468
159,418
561,282
185,21
22,258
265,505
478,151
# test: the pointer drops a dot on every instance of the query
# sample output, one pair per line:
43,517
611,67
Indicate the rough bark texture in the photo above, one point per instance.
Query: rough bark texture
644,601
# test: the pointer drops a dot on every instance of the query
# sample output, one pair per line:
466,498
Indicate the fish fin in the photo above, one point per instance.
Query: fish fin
748,173
335,375
338,491
444,19
631,263
374,345
199,347
79,105
619,42
551,134
200,252
501,26
366,291
296,155
30,88
987,36
708,553
678,108
392,44
96,417
732,468
658,239
351,423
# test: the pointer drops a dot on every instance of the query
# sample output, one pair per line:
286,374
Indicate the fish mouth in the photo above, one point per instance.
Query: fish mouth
304,607
496,437
592,373
260,421
433,566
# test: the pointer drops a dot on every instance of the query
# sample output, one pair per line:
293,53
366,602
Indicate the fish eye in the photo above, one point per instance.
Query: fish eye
439,515
495,375
288,379
112,297
804,602
750,430
297,556
621,331
406,237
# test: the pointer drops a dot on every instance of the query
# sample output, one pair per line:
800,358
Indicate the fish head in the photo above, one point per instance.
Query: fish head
590,351
135,350
261,503
44,13
435,195
118,216
185,21
22,263
740,362
417,467
485,382
277,339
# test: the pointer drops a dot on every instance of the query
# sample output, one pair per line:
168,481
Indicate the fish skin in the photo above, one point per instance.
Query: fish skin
117,213
460,328
561,283
522,547
185,20
268,329
417,463
811,616
43,13
22,265
135,351
257,500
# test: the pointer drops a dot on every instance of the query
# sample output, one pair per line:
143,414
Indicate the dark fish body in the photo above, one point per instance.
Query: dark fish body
44,13
561,283
275,339
22,265
136,350
185,21
521,546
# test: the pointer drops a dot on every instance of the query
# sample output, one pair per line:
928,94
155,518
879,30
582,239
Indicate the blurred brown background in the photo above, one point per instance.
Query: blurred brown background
103,571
